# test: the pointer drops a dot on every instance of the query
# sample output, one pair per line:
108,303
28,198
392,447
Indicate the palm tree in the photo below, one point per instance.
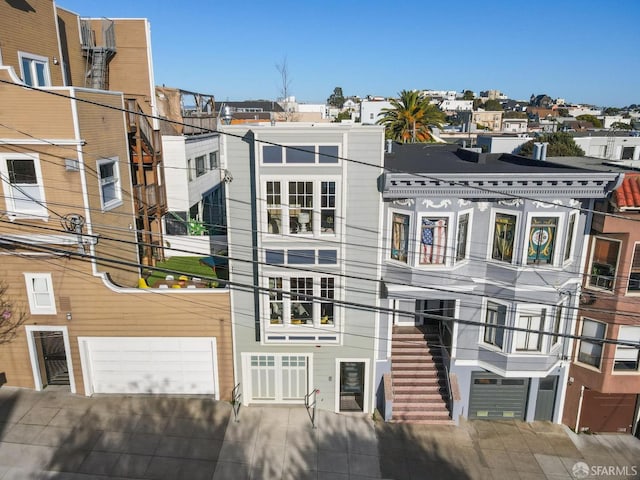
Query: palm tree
410,119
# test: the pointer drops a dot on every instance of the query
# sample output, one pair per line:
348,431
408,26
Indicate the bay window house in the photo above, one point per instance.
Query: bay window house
304,216
490,244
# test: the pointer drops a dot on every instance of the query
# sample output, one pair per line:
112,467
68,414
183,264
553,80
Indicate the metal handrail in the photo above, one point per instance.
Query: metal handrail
235,402
311,407
446,372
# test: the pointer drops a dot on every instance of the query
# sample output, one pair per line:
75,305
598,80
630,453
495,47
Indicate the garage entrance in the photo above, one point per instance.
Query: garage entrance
496,397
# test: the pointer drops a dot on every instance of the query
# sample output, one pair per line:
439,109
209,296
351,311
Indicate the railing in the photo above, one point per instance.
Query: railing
137,119
235,402
311,406
449,396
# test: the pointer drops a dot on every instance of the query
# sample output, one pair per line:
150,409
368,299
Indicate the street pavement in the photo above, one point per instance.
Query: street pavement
56,435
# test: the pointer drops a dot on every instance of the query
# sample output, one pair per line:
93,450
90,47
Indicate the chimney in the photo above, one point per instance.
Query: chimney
389,146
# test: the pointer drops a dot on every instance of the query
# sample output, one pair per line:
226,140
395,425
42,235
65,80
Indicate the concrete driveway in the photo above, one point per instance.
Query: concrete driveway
56,435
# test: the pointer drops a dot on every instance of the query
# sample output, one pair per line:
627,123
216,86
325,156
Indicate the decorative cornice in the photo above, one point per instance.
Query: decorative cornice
514,202
443,204
404,202
553,204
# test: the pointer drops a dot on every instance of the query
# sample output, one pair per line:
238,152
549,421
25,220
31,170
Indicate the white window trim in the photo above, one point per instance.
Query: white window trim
505,337
468,240
557,248
615,352
36,58
33,307
577,349
410,246
517,235
38,213
317,180
564,307
632,293
572,247
531,309
450,248
617,270
367,387
287,328
116,169
316,161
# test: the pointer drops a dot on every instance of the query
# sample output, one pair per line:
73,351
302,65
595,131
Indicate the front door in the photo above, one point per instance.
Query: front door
54,357
546,397
352,386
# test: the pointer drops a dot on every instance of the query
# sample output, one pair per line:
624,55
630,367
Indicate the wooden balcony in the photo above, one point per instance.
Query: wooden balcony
151,198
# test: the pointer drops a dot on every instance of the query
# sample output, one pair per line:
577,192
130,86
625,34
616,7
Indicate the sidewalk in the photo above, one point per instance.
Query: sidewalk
279,442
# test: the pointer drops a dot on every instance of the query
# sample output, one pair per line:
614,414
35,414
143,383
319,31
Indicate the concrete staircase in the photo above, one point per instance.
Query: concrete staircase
420,392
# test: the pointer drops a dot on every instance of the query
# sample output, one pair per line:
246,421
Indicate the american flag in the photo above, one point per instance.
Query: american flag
433,241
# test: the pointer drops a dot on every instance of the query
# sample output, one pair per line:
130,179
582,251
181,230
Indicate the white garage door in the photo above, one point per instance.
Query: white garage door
171,365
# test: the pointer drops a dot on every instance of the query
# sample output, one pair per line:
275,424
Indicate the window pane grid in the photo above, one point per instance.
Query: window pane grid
400,237
495,319
328,205
301,207
461,241
327,290
301,305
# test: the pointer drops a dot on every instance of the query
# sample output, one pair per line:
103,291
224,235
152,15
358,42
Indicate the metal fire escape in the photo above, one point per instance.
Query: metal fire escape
97,53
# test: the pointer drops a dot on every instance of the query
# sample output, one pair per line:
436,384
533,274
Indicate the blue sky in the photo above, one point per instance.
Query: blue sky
584,51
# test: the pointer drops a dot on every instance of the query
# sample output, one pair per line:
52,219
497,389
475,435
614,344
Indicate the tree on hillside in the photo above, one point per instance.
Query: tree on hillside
11,316
563,112
514,114
561,144
591,119
468,95
492,106
336,99
410,118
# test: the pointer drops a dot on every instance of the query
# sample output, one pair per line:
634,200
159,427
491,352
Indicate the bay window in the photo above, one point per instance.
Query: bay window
433,240
604,263
568,245
504,233
542,239
530,341
462,237
590,350
495,318
400,237
627,357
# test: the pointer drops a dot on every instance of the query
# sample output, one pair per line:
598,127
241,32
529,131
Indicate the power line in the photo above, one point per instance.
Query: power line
356,305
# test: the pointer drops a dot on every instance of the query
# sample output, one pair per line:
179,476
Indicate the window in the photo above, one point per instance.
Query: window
275,300
110,192
433,241
504,233
311,208
271,154
301,154
22,183
213,160
530,341
40,293
301,305
461,239
400,237
627,358
294,301
568,244
557,324
590,352
327,292
328,154
300,207
35,69
328,207
495,320
604,263
542,239
274,207
634,275
201,169
189,168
